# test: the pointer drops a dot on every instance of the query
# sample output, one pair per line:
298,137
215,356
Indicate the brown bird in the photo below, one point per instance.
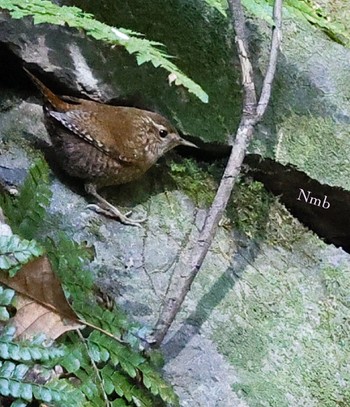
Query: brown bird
103,144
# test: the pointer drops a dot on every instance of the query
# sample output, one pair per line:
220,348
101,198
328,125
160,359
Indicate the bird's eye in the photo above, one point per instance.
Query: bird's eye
163,133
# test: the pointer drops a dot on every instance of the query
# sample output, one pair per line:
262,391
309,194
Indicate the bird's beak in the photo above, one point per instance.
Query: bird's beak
186,143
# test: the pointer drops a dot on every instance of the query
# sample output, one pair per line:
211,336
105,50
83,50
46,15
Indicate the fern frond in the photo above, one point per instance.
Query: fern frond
6,298
27,351
157,385
44,11
77,361
15,252
118,382
13,384
19,403
27,211
104,365
104,347
68,259
115,322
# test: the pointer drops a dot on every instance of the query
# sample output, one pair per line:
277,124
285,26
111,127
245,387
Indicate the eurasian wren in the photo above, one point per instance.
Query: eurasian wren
103,144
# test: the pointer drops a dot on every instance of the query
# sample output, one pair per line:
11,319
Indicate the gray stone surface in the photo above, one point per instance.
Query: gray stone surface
211,377
267,318
306,123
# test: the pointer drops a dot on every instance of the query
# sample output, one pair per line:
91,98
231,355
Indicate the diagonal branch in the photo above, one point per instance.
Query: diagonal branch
248,83
252,113
271,68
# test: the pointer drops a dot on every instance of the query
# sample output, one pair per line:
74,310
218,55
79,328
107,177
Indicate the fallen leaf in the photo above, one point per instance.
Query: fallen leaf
41,304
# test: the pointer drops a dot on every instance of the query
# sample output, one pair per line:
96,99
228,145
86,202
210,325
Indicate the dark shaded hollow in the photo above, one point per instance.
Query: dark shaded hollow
331,223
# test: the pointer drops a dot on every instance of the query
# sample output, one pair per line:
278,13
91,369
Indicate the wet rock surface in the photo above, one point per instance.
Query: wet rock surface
248,310
266,317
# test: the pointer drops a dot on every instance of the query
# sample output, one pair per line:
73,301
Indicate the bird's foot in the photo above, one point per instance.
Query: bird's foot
114,212
108,209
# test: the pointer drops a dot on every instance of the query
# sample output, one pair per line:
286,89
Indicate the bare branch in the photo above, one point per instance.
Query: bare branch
183,277
271,69
249,98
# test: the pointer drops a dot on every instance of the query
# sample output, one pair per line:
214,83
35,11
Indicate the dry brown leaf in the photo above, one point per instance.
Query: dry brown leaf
41,306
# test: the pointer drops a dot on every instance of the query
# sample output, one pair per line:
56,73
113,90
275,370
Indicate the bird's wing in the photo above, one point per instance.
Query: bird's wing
88,126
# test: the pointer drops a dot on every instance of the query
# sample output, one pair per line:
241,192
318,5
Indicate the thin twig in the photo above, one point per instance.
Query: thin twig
248,83
271,68
250,116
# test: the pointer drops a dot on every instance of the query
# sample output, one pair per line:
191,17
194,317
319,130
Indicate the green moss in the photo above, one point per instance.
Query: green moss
198,180
307,141
285,324
249,207
338,11
261,390
286,236
252,210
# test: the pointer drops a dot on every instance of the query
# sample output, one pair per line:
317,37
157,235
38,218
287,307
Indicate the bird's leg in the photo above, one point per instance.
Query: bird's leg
108,209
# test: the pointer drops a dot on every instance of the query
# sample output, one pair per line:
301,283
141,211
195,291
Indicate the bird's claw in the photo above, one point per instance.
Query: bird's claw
113,212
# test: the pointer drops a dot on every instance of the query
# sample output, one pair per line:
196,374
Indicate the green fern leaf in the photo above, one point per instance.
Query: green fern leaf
4,314
6,298
153,381
126,374
27,351
44,11
71,359
76,360
67,259
19,403
27,211
119,403
15,252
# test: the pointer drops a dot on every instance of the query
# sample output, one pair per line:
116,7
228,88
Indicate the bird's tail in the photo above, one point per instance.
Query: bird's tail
49,97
